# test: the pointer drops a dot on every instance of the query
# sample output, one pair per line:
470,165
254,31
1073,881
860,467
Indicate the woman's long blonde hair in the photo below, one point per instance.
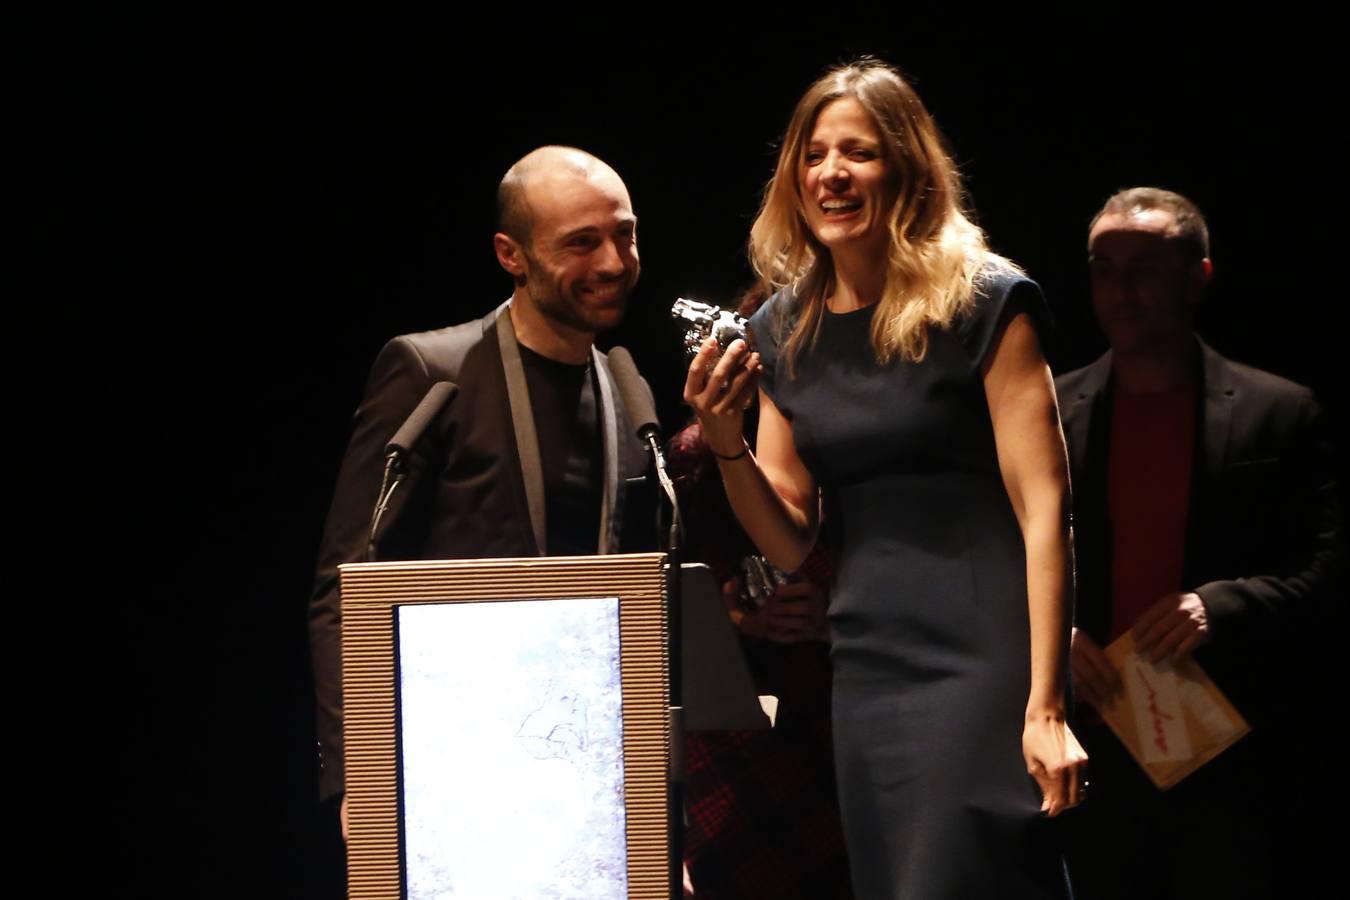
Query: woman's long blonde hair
936,255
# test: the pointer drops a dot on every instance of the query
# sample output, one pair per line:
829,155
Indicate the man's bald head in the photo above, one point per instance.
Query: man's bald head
515,216
567,236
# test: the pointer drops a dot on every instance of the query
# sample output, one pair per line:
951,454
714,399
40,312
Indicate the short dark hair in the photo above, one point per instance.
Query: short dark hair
1192,231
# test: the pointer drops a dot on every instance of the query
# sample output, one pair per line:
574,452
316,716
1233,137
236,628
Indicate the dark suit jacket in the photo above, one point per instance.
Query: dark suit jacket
1263,545
465,494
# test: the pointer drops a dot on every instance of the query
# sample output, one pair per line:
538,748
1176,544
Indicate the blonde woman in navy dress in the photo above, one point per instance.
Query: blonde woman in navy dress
904,397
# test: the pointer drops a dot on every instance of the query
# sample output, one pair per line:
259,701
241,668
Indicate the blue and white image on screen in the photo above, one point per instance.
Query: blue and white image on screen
512,749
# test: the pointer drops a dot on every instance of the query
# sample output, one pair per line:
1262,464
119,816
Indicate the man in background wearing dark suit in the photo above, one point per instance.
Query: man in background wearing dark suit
531,455
1207,523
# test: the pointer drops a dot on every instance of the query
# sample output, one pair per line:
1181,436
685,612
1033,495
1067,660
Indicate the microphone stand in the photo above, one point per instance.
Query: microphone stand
393,466
674,620
398,450
637,397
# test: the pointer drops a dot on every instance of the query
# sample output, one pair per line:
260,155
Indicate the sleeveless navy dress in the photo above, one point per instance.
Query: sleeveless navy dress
928,613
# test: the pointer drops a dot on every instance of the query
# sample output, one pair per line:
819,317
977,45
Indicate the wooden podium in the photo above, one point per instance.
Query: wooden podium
484,717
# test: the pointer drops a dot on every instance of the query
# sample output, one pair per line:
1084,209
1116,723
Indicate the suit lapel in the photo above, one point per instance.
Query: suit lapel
1218,410
527,439
609,434
1080,412
1086,427
522,421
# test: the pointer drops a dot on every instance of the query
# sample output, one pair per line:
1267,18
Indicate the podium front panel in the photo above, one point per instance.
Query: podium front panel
506,728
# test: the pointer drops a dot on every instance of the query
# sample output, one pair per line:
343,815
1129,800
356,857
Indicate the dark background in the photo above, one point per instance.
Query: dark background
285,193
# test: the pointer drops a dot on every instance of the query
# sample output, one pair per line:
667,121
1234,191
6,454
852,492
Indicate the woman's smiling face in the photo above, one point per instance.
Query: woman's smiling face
848,188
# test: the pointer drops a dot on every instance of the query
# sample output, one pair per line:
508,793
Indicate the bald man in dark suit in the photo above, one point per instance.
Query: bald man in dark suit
532,454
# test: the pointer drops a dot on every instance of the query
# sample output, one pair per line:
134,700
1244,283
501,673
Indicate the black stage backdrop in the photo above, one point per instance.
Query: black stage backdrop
297,189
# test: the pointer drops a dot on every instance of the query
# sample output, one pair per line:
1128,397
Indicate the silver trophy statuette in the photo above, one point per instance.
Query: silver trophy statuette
702,320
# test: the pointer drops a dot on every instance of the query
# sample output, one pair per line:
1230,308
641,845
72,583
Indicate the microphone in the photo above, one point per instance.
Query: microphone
398,448
412,429
637,399
636,395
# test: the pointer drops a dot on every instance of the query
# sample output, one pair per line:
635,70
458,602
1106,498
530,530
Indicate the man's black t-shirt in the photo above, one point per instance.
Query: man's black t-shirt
562,397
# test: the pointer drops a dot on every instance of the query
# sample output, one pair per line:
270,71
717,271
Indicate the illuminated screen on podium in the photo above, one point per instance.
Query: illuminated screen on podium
511,749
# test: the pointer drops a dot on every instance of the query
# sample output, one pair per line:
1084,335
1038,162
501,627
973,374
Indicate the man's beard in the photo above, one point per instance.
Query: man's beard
553,300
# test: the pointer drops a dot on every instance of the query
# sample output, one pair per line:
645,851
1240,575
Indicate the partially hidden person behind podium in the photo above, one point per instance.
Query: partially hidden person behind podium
903,389
531,456
762,817
1207,524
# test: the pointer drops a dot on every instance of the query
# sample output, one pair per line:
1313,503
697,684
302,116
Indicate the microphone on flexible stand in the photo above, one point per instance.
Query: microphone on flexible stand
637,399
400,447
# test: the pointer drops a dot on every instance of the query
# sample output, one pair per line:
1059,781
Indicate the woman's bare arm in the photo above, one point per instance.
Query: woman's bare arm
1034,465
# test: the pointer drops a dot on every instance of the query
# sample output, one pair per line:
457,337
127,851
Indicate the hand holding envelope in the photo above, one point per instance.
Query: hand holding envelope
1171,717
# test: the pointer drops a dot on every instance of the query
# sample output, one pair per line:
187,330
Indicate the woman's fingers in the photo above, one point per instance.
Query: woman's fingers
1057,762
740,388
700,366
713,378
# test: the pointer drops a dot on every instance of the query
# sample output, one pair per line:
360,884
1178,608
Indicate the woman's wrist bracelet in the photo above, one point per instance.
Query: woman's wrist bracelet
745,448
